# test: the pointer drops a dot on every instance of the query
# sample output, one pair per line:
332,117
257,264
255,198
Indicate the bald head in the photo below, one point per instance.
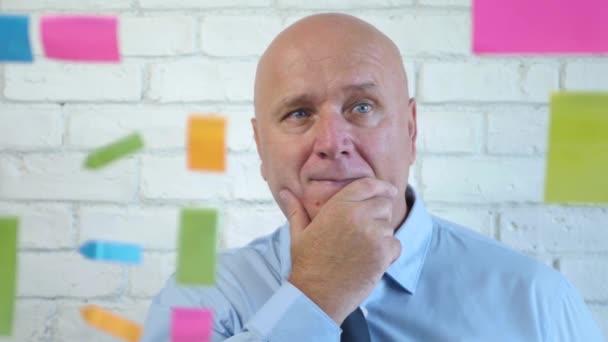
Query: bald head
324,36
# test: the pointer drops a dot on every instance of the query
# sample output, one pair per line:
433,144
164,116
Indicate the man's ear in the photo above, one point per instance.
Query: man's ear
256,137
412,127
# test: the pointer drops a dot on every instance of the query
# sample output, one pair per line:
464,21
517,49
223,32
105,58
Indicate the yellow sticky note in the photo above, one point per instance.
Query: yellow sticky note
577,161
110,323
207,143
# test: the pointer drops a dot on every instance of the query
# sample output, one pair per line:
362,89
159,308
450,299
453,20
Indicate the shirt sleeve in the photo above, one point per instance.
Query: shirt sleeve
288,315
572,319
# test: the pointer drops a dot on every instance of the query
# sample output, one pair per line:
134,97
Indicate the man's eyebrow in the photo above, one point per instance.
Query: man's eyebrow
296,100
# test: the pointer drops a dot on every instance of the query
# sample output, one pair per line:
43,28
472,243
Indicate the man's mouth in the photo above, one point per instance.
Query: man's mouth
335,181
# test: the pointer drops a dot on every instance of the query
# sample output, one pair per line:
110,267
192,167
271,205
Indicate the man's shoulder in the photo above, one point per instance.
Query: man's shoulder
489,257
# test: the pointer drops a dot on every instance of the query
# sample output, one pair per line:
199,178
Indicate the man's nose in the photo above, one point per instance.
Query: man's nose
332,137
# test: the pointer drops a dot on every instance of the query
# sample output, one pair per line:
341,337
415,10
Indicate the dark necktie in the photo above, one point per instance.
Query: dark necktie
354,328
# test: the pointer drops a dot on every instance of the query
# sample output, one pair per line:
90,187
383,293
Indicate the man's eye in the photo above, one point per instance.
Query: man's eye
298,114
363,108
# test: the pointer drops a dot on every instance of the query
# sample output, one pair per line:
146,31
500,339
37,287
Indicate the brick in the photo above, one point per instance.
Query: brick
150,227
61,177
518,131
32,321
248,184
410,69
203,4
36,38
340,4
245,223
146,280
479,219
482,180
413,179
69,325
589,275
90,126
54,81
587,75
43,226
62,5
487,81
169,178
443,33
202,80
157,36
449,131
545,258
30,127
65,274
600,313
162,127
554,228
238,35
240,132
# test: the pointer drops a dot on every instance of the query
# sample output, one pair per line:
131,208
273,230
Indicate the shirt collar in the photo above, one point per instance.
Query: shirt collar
415,235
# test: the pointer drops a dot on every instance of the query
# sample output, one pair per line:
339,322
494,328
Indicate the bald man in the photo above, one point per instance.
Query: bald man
360,258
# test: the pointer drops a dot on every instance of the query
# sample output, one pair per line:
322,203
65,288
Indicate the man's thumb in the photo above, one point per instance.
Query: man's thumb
297,216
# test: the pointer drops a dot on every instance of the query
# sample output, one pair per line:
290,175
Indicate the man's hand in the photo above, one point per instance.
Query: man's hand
339,257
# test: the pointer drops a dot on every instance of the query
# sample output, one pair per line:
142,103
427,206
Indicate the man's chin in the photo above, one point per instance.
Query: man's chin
317,200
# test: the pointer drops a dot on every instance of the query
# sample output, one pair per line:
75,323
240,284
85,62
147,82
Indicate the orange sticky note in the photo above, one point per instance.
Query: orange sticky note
207,143
111,323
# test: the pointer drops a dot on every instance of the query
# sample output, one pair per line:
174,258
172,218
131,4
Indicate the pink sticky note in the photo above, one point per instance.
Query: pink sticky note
80,38
191,325
540,26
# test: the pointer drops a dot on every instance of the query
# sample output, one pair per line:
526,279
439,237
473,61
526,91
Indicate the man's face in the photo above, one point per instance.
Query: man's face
326,119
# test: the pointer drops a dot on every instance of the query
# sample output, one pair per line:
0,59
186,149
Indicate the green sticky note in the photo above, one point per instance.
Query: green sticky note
8,271
577,161
119,149
197,247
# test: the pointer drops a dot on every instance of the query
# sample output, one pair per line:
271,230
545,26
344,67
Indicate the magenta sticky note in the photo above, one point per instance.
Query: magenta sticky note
80,38
540,26
191,324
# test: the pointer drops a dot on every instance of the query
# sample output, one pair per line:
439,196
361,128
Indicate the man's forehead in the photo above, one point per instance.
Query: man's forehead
309,95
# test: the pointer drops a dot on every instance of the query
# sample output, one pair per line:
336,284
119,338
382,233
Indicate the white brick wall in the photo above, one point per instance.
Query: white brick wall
488,81
482,144
32,127
482,179
589,274
201,80
66,274
238,36
54,81
172,35
443,33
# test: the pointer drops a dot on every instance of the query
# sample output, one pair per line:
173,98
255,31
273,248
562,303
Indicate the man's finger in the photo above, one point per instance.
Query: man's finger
366,188
296,215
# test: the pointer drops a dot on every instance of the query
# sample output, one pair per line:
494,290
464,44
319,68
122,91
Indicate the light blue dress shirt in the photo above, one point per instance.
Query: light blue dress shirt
449,284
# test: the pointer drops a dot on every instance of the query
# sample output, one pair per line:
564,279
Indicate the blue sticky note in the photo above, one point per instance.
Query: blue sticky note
112,251
14,39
